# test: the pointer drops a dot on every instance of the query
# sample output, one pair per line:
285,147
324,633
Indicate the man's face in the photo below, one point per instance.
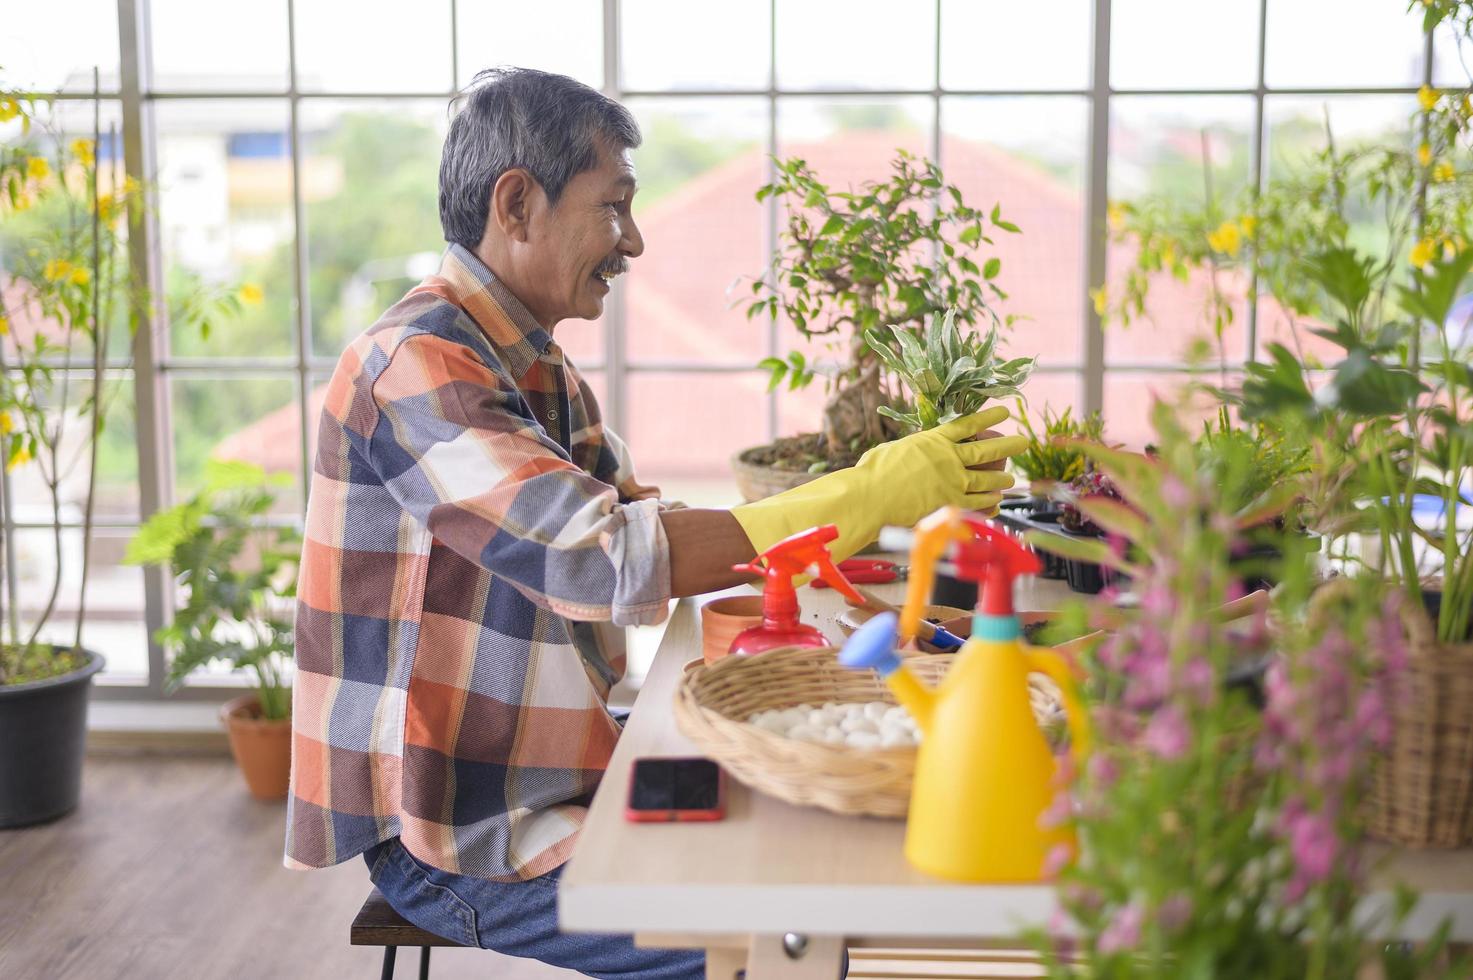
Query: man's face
585,240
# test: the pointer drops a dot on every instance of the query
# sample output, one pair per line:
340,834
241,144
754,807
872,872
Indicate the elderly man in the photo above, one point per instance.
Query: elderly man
472,520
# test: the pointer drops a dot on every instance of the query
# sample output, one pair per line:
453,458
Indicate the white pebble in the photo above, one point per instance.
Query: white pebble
894,738
859,723
863,740
834,735
805,733
876,710
818,718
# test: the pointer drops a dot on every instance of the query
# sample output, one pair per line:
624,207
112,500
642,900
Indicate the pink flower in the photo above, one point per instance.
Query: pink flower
1103,770
1167,734
1057,860
1175,912
1198,679
1059,812
1175,493
1124,932
1314,846
1372,718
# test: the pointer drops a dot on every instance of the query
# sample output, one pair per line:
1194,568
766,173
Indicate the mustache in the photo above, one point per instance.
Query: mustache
614,266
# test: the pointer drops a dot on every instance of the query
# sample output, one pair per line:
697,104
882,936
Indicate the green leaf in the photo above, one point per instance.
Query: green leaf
991,268
831,226
1008,226
1079,549
970,235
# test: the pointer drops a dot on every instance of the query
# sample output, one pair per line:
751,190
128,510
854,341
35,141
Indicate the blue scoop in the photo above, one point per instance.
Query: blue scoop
873,645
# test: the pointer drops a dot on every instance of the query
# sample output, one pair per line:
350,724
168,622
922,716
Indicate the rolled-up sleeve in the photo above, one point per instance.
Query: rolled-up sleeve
456,448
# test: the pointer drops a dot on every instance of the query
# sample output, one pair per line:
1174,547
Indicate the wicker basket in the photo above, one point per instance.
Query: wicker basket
757,482
1423,791
714,701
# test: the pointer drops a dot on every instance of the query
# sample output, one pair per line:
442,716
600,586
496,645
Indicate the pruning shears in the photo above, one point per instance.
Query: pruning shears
867,571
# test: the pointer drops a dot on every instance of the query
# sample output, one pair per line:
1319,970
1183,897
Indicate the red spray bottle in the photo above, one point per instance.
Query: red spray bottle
779,565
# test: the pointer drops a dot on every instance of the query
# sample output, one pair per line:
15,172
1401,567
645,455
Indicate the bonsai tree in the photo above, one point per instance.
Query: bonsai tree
883,258
70,300
237,577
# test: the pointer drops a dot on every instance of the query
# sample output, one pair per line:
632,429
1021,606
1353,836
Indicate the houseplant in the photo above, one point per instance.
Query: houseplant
237,577
1365,250
70,302
1215,840
1052,457
851,261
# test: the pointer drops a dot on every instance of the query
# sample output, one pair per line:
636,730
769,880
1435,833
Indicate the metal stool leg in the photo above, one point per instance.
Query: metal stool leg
390,953
424,963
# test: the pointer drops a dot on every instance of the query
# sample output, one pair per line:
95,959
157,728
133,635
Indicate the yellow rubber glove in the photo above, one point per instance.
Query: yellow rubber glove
896,483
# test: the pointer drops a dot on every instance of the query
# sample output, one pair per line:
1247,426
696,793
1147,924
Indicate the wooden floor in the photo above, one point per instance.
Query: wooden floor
168,869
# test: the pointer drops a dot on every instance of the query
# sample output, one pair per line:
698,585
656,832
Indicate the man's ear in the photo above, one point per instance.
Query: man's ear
512,201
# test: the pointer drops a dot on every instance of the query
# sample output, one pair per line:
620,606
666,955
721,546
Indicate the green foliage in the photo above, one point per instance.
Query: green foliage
1055,456
237,577
947,373
890,254
1268,459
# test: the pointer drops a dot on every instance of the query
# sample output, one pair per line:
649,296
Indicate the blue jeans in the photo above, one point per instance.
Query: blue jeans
518,919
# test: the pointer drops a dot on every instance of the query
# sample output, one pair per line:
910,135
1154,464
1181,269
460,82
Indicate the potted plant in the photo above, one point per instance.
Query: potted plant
1374,384
881,258
1215,838
70,300
1053,458
237,577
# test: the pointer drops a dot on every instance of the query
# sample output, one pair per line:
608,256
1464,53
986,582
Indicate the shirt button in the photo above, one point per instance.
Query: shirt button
552,415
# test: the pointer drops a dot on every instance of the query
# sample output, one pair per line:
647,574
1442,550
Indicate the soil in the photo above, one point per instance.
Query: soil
21,665
798,454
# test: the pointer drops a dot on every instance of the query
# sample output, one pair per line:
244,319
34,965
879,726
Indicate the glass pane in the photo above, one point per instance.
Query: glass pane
563,36
1027,154
42,55
1130,395
373,46
255,60
1183,44
1452,58
1015,46
116,496
370,184
836,44
674,44
853,139
1157,145
1330,43
1294,126
114,626
29,235
699,168
254,420
682,431
225,213
1055,390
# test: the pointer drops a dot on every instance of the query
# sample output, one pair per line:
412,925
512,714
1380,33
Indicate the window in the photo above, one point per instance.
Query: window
300,158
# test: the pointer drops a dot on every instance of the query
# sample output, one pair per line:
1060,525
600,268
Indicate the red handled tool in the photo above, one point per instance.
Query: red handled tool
867,571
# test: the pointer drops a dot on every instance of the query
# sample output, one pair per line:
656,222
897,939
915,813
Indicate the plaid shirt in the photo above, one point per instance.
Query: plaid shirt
463,537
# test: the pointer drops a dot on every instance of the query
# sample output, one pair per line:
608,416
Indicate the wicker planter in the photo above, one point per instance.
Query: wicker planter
756,481
1423,792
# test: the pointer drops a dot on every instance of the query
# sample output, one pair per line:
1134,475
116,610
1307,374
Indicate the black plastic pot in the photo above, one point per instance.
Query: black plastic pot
948,591
43,731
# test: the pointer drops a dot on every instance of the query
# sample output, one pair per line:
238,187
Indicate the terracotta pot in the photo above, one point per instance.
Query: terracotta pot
756,481
723,619
262,748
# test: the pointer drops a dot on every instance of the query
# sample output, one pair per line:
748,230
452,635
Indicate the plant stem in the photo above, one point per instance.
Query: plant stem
99,348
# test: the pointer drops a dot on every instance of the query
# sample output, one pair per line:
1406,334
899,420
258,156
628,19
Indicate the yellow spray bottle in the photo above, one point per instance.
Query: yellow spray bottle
985,773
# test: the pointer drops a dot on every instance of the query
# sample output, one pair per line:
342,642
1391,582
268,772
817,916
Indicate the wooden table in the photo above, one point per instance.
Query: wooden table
770,870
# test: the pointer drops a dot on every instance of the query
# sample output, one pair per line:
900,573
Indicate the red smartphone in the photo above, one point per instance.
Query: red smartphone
665,790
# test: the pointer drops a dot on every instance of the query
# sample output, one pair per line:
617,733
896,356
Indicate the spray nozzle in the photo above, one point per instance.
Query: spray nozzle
792,556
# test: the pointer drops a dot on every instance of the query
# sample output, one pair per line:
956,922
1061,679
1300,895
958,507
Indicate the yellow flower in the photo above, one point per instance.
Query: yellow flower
7,424
1168,255
20,457
1424,154
37,168
1115,214
9,109
1427,96
250,294
1226,239
130,186
1422,253
1467,106
57,269
1249,224
1443,172
84,150
81,276
1101,300
107,207
4,325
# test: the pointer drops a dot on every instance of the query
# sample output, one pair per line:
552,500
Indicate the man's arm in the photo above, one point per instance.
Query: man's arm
704,544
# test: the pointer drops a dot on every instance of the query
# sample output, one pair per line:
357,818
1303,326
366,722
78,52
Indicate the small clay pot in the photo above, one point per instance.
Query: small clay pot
262,748
723,619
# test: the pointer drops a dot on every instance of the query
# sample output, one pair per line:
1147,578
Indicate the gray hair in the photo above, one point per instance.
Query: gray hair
546,124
